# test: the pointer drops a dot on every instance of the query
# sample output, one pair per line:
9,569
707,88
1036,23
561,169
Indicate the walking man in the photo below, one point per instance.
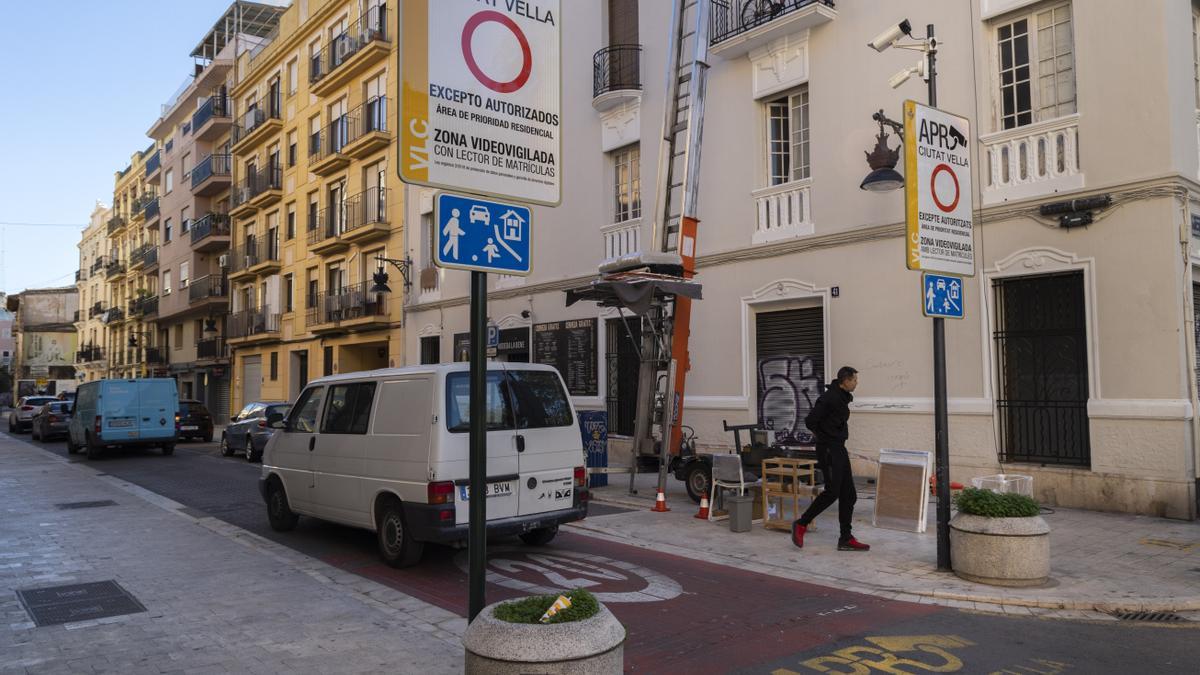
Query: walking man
828,422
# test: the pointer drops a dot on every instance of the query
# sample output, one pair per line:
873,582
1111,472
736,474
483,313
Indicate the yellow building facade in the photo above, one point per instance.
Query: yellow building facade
315,203
91,355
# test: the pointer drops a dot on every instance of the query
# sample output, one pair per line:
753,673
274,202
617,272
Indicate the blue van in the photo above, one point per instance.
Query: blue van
124,413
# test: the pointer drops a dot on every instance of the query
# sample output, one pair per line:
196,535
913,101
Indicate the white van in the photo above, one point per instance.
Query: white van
387,450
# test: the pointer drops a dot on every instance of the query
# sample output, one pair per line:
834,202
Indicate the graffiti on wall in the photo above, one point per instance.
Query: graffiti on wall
788,388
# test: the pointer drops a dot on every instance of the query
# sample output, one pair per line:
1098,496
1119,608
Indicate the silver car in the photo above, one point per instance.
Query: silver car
51,420
236,437
21,418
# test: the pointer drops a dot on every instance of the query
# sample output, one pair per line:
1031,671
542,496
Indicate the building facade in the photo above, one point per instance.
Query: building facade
1076,362
45,336
315,200
91,361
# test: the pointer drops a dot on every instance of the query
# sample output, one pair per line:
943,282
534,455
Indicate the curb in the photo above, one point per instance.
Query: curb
1102,609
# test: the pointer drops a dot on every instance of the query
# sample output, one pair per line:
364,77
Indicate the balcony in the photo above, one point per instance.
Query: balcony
97,265
96,310
137,259
151,212
115,315
211,233
212,118
255,126
616,76
268,187
76,316
323,237
365,43
328,157
212,175
253,325
210,289
784,211
1031,161
150,259
255,257
156,356
89,354
115,225
622,239
366,216
348,308
114,268
243,192
79,276
211,349
153,169
736,27
144,307
368,128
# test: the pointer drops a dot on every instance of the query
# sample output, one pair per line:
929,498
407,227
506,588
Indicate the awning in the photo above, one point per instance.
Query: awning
637,294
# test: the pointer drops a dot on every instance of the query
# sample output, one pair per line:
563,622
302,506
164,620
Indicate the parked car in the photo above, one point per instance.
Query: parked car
195,421
260,434
387,451
21,418
51,420
124,413
236,437
66,396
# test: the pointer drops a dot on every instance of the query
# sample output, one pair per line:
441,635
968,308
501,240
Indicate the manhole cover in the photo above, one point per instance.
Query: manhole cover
1159,617
78,602
86,505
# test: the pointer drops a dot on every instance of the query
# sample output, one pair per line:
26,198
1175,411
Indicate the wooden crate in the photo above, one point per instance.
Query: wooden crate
786,481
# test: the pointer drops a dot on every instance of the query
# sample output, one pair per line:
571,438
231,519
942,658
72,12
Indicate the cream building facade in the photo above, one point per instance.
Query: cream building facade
1076,362
90,356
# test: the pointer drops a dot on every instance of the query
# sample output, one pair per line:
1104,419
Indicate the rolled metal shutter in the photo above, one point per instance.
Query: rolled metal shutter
789,369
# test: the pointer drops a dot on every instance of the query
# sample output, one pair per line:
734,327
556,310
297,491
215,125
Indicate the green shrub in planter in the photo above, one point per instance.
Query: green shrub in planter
990,504
531,609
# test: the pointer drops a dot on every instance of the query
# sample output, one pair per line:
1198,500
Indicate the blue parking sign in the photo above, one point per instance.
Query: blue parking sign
942,296
482,235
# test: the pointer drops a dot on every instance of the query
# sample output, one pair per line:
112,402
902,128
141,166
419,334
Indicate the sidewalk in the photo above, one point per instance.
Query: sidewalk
217,599
1100,562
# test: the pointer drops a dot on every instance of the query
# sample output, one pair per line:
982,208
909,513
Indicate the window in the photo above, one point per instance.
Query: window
169,181
183,275
185,165
327,358
627,187
185,221
787,138
291,150
166,282
458,403
540,399
178,330
303,418
313,293
348,408
1036,48
288,292
166,230
291,222
293,70
431,349
313,210
274,366
314,136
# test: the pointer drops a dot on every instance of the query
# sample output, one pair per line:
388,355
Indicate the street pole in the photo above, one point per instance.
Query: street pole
941,418
477,504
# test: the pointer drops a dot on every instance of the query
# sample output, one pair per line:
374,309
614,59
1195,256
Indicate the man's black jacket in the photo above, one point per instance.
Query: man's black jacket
827,419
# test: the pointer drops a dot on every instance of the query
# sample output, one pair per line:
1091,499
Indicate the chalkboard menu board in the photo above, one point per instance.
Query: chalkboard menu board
570,346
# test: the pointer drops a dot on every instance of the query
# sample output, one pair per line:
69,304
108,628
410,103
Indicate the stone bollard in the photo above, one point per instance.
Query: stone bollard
1000,551
592,646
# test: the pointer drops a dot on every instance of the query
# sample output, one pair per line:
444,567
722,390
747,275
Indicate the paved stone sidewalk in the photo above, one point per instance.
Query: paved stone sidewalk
218,599
1100,562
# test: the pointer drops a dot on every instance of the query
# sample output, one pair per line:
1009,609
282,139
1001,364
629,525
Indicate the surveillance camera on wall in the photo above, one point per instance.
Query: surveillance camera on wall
889,37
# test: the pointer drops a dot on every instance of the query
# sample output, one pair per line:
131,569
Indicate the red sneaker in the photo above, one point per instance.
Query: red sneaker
852,544
798,531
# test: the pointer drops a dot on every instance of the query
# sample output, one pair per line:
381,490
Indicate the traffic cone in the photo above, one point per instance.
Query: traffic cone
660,503
703,515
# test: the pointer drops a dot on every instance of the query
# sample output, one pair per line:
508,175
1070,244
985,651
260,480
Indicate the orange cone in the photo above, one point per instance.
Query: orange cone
703,515
660,503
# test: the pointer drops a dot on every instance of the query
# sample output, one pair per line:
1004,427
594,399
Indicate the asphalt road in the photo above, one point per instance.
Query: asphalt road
685,615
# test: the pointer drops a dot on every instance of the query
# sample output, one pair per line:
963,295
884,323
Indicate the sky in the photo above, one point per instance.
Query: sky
82,82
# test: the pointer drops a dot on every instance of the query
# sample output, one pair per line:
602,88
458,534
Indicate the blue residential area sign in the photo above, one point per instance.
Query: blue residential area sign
942,296
482,235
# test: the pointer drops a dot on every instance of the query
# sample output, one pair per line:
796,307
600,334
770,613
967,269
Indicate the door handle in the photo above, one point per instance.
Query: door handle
520,443
312,443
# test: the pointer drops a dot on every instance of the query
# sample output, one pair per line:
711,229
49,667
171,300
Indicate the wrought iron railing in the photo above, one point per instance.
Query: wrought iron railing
256,183
212,165
616,67
150,210
366,208
249,322
156,355
88,353
146,306
113,268
334,136
733,17
351,302
371,27
115,223
211,225
215,106
150,258
367,118
98,264
211,348
142,201
254,253
153,164
210,286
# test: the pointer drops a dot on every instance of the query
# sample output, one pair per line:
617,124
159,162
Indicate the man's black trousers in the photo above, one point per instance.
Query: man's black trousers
839,487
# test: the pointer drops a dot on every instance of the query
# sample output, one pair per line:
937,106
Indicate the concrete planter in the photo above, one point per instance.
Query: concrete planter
588,647
1000,551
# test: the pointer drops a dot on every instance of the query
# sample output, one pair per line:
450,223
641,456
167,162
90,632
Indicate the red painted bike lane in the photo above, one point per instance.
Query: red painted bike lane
682,615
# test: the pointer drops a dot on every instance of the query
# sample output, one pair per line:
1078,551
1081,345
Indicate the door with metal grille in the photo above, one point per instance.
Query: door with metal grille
790,370
1041,345
621,359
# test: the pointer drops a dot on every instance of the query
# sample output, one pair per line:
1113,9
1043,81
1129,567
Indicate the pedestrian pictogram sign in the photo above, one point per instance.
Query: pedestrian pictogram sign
942,296
937,188
481,97
482,235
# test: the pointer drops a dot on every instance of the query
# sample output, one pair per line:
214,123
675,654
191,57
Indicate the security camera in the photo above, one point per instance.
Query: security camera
889,37
901,77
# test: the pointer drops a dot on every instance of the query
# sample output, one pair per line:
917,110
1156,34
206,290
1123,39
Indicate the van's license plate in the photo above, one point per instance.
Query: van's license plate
121,423
493,490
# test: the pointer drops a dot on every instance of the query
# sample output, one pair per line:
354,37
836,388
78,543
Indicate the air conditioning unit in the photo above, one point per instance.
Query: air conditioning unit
166,291
342,48
223,261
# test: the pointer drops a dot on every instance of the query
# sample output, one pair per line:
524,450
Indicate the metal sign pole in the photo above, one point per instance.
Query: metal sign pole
941,421
477,504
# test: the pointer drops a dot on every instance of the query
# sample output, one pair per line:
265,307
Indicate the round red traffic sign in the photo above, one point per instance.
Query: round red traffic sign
468,33
933,187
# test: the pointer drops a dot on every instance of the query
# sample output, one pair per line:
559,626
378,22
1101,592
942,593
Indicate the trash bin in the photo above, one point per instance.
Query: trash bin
741,512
